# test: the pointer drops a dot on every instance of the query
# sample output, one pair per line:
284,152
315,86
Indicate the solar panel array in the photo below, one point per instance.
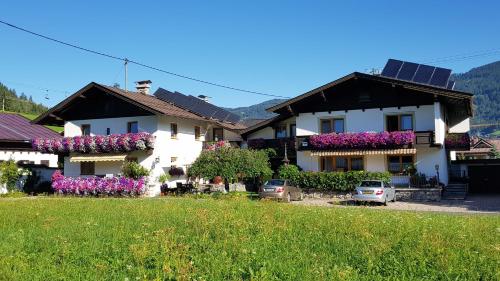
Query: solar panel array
197,106
418,73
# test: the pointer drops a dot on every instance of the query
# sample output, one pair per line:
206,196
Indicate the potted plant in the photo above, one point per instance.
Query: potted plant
163,178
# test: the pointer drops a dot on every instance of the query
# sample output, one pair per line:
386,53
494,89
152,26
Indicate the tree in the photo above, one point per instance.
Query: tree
232,164
494,153
9,174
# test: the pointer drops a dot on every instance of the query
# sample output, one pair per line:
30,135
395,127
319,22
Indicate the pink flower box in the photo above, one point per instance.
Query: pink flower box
95,144
365,140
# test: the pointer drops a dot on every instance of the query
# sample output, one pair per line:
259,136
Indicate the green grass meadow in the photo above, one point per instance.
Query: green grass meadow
238,239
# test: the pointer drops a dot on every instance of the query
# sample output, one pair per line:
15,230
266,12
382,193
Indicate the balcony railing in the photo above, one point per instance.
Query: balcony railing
365,140
95,144
277,144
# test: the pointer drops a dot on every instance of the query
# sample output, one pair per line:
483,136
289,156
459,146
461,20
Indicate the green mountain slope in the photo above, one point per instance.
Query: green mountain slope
484,83
256,111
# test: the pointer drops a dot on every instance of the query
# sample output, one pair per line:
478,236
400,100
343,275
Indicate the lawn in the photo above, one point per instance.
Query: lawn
234,239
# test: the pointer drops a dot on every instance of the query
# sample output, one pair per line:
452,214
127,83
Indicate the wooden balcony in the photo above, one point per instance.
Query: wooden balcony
277,144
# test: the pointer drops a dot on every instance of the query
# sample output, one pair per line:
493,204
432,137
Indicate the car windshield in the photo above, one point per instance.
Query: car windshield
275,182
370,184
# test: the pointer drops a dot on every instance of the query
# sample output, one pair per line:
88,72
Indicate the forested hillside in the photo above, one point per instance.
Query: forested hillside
11,101
484,83
256,111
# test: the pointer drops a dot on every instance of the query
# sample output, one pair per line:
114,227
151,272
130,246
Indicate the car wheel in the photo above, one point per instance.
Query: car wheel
394,198
288,197
385,201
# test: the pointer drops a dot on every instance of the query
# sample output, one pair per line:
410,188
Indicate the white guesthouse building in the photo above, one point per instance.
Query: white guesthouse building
180,133
358,103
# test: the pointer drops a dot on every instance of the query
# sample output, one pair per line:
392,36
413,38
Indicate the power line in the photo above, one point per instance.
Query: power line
138,63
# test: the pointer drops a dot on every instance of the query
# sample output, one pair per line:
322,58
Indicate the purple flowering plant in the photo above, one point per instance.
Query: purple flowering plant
457,141
95,144
93,186
364,140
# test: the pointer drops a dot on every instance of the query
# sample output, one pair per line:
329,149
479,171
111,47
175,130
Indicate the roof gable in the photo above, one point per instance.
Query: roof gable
394,92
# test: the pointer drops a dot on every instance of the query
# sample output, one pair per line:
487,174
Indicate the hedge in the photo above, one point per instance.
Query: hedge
336,181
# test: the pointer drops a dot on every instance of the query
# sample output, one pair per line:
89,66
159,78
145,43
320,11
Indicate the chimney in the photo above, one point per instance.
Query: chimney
143,86
204,98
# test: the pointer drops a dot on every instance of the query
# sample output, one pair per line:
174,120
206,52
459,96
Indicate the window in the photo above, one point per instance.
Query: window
397,164
87,168
108,131
293,130
403,122
85,130
280,132
197,132
46,163
218,134
341,163
132,127
173,130
335,125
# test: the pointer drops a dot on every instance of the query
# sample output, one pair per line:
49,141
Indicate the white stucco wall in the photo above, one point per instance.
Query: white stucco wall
462,127
185,147
307,162
375,163
426,160
439,123
365,121
34,156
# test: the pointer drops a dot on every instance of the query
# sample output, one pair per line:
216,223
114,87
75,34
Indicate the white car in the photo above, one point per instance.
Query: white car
374,191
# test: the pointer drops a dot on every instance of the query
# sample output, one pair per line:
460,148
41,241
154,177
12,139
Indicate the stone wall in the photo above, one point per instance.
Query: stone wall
418,194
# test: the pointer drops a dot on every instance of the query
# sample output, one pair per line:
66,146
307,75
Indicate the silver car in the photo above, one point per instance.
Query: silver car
283,190
374,191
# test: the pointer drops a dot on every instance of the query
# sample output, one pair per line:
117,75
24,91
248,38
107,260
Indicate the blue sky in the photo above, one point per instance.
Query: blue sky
277,47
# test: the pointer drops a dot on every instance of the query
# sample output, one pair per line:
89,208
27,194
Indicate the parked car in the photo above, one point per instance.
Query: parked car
280,189
375,191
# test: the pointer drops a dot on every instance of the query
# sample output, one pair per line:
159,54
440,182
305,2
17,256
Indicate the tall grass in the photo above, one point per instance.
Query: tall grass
210,239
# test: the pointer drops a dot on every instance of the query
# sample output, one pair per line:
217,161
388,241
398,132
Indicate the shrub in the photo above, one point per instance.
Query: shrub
134,170
290,172
176,171
34,186
163,178
337,181
9,174
232,164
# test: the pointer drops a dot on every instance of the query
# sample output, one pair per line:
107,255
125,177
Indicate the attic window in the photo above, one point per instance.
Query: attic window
364,97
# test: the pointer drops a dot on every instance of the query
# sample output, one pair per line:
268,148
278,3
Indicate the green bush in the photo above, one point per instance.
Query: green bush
163,178
232,164
134,170
337,181
9,174
290,172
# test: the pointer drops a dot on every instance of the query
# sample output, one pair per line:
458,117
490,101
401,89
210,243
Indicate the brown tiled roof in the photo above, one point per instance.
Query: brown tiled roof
147,102
153,103
481,150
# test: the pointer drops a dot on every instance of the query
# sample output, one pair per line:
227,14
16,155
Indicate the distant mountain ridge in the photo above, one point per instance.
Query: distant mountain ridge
256,111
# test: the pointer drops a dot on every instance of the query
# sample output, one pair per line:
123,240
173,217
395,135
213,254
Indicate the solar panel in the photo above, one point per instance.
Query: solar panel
424,73
392,67
440,77
451,85
418,73
196,105
407,71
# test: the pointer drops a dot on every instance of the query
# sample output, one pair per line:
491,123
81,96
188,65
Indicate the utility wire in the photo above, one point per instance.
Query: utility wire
138,63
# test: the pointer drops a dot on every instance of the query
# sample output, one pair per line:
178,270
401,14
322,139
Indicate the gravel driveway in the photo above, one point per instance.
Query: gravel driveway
472,204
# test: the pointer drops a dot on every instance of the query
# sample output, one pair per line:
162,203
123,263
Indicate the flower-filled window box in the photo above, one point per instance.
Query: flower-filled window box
457,141
95,144
365,140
